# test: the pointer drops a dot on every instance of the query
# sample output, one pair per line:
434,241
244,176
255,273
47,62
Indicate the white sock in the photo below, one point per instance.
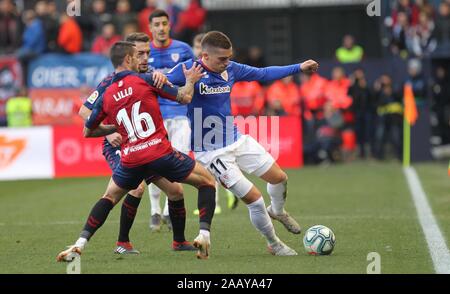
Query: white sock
205,233
261,220
217,194
81,243
277,194
154,193
166,207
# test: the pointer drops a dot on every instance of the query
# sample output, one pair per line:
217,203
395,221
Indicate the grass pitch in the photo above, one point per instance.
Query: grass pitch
368,206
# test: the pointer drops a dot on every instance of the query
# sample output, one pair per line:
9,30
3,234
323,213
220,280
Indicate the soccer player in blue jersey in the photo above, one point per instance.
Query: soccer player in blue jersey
165,53
111,151
220,147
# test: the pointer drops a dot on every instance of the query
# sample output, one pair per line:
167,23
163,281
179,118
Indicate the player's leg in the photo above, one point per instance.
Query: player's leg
226,170
177,213
254,159
96,218
179,167
154,194
129,204
205,183
217,210
127,215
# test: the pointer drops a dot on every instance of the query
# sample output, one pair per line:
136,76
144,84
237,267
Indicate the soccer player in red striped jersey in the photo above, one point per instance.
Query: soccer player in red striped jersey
131,103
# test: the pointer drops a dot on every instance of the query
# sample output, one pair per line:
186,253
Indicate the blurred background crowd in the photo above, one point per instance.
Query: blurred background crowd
352,108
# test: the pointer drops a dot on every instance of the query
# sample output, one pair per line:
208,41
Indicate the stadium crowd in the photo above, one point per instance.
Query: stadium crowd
344,116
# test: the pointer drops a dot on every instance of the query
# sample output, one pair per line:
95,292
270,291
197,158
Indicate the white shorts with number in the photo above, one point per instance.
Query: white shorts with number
245,154
179,132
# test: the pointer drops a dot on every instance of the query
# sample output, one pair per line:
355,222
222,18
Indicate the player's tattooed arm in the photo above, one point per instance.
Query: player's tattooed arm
192,75
100,131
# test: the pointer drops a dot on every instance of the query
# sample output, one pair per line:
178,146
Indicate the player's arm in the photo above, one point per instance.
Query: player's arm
93,126
249,73
192,75
100,131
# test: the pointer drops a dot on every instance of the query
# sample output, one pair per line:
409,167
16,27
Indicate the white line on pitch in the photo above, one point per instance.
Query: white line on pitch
433,235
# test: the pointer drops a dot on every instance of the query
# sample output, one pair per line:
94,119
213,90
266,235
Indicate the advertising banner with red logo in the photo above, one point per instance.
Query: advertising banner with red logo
55,106
76,156
26,153
59,82
280,136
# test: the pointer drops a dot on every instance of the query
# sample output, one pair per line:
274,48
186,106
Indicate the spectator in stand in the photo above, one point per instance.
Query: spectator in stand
173,10
129,28
441,103
9,27
19,110
91,23
349,52
443,25
324,146
33,41
400,36
143,17
103,43
425,7
389,118
99,16
409,8
51,25
70,37
363,107
336,90
255,57
286,93
423,42
123,15
247,98
190,21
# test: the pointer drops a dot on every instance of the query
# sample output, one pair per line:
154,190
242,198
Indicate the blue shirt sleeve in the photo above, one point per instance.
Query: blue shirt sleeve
176,75
97,115
248,73
166,91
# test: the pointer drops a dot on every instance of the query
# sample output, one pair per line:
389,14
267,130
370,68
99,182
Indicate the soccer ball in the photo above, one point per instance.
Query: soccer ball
319,240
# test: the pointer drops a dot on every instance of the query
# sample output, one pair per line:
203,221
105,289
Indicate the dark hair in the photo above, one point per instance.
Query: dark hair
157,13
216,39
137,37
198,38
119,50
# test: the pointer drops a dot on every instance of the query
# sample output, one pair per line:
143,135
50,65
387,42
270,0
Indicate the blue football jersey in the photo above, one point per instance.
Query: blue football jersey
163,59
212,123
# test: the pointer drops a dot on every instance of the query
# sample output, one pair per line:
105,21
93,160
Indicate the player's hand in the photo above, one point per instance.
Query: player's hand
160,79
193,74
115,139
309,66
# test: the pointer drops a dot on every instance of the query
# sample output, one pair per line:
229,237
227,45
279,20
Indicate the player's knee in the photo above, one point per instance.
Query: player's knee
175,192
243,188
279,177
138,192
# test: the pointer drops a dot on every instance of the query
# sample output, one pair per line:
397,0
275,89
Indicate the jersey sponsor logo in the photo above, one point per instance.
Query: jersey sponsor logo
207,90
141,146
10,150
175,57
123,94
91,99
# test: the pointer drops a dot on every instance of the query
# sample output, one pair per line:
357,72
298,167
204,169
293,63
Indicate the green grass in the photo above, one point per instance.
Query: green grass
367,205
436,183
